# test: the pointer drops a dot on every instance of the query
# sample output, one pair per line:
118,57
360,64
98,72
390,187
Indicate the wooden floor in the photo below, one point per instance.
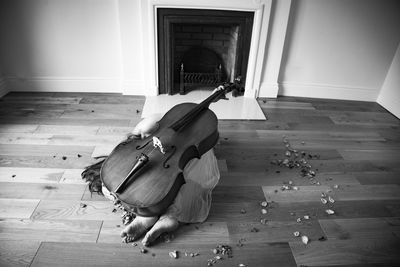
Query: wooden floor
48,217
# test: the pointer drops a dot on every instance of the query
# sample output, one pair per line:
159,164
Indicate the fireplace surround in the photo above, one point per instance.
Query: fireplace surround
260,31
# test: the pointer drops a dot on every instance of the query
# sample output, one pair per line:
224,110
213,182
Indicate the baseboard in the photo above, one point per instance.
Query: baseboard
390,104
268,90
3,87
65,84
328,91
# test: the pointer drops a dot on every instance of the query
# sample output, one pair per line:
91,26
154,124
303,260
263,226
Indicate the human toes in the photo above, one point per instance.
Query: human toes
164,224
137,228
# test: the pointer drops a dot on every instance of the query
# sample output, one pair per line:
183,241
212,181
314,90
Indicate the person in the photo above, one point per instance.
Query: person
192,203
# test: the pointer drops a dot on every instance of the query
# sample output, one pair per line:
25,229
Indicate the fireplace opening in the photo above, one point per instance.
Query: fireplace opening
200,49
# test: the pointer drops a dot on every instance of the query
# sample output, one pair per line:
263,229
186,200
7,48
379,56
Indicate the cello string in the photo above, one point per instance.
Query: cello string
154,148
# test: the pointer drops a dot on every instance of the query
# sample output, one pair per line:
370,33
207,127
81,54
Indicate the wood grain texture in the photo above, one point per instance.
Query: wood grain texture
69,254
48,217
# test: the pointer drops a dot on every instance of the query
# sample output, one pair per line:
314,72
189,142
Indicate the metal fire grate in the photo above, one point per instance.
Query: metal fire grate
192,79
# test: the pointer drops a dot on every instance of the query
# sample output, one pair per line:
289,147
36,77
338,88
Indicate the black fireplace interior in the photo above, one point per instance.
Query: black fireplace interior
199,49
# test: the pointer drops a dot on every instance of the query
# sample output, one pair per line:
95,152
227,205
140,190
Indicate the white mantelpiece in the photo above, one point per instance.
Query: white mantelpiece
261,9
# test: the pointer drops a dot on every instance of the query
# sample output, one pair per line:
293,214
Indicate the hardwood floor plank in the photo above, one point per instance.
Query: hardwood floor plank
72,176
359,228
365,118
229,125
16,253
117,99
17,208
370,154
18,128
120,131
273,231
72,254
346,192
187,234
103,111
67,129
25,138
30,175
235,212
275,179
45,150
290,211
41,99
345,252
23,230
74,210
65,121
61,161
307,135
378,177
236,194
85,140
41,191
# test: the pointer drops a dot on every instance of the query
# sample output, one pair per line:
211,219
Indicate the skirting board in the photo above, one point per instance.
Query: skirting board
390,104
65,84
328,91
3,87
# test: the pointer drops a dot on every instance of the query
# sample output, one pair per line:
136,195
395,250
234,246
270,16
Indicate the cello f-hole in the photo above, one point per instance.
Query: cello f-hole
142,146
165,165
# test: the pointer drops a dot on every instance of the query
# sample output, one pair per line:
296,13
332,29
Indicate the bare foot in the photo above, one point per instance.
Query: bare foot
138,227
164,224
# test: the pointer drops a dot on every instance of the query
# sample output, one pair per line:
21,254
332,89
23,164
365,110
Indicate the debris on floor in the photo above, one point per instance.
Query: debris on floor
295,159
304,239
254,230
174,254
329,211
264,211
220,251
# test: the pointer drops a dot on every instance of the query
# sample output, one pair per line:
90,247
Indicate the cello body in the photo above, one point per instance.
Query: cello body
145,175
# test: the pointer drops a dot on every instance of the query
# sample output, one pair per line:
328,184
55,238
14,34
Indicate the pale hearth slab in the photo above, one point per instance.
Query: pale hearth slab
236,108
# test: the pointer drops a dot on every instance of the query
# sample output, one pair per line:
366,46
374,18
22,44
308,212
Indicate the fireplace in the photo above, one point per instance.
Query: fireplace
200,48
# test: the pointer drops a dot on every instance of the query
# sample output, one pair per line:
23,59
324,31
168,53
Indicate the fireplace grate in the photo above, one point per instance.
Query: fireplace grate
196,79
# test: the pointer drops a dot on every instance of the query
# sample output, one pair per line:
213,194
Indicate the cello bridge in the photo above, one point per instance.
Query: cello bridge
157,143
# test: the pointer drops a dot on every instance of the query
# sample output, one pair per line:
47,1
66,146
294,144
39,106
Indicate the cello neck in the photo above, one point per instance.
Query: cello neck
188,117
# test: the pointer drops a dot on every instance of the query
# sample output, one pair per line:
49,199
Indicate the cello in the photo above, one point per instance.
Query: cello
145,175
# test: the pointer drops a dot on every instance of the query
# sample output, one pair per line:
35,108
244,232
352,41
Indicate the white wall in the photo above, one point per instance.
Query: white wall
339,49
58,45
389,96
332,49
